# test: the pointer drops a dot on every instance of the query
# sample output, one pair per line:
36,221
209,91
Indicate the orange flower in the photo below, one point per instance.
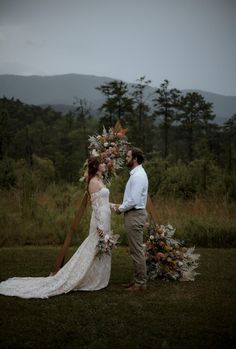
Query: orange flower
118,130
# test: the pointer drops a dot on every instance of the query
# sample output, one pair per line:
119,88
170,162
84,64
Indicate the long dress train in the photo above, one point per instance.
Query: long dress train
85,271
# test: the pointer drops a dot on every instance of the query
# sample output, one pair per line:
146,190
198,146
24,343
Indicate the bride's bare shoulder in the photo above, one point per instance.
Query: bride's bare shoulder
94,186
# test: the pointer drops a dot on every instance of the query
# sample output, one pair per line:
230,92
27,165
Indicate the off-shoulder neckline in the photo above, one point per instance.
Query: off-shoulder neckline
97,192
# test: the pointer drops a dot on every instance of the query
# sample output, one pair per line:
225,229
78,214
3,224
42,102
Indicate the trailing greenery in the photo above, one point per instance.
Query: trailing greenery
178,315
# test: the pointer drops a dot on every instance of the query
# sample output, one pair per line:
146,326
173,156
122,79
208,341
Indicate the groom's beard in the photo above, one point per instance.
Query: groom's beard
130,164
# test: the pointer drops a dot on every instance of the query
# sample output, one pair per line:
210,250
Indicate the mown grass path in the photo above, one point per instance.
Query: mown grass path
198,314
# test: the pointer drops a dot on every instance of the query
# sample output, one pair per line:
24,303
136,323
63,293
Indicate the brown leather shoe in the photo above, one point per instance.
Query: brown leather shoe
137,287
129,284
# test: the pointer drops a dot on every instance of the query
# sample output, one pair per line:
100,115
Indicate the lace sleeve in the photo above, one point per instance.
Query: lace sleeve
96,206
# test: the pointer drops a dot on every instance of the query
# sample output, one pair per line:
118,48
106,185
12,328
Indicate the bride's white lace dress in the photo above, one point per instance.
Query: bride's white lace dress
85,271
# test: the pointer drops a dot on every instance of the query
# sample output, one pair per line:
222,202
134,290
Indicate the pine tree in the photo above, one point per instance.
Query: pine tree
194,113
117,105
166,104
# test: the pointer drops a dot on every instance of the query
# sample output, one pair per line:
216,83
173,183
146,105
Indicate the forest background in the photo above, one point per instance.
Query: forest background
190,161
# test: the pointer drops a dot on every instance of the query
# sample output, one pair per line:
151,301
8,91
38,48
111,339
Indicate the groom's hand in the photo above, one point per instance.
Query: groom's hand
116,208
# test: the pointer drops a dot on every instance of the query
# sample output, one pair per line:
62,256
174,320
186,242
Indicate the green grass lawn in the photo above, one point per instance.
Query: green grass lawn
198,314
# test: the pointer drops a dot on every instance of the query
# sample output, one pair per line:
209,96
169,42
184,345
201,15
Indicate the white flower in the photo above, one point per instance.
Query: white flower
94,153
104,131
152,237
106,144
106,238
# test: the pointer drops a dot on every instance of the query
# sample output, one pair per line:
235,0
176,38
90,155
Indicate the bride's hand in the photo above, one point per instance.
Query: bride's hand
117,211
114,206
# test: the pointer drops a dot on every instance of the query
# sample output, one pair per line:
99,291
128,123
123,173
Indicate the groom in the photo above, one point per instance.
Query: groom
133,207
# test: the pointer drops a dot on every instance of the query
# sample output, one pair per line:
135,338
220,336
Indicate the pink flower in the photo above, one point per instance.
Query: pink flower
159,255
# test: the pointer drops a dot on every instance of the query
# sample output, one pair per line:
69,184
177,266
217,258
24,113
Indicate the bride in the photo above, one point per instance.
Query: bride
86,270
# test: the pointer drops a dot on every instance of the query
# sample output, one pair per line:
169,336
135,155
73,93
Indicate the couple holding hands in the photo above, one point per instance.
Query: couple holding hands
86,270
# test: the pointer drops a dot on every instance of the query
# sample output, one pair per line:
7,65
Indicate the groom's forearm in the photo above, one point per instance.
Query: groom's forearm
126,206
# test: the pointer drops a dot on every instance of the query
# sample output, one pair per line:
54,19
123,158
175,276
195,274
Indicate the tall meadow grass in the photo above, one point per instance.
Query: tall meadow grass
206,222
45,217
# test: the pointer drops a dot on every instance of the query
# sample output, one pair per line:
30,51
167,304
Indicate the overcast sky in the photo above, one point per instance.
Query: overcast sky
192,43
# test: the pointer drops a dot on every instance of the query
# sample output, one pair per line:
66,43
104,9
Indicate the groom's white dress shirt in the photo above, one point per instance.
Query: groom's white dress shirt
136,190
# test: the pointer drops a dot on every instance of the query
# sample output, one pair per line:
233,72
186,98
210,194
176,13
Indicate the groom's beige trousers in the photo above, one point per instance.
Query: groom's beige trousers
134,221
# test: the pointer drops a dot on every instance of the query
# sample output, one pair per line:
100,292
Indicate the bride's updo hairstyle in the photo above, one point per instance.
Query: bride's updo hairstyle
93,165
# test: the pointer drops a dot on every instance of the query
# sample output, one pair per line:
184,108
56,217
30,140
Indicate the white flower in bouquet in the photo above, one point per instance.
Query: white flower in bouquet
107,237
94,153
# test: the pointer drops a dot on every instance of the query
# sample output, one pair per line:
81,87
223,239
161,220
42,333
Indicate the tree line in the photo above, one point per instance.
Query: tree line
175,130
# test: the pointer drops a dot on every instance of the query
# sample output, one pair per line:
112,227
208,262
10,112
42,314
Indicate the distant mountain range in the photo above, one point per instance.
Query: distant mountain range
60,91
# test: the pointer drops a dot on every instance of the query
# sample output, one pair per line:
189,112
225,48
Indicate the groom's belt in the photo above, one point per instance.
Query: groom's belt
135,209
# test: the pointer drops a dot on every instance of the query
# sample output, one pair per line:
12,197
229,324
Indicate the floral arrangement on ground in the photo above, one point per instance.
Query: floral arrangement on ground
111,146
168,258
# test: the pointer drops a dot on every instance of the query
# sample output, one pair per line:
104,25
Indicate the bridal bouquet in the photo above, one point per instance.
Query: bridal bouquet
166,257
111,146
106,243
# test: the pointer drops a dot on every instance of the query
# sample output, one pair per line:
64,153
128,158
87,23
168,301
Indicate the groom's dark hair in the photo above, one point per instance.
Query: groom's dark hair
137,154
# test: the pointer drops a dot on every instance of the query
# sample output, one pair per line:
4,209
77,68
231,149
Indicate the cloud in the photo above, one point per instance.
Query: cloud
191,43
3,37
13,67
35,43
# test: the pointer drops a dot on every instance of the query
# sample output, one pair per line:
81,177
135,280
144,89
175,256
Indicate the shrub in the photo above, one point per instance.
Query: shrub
7,173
